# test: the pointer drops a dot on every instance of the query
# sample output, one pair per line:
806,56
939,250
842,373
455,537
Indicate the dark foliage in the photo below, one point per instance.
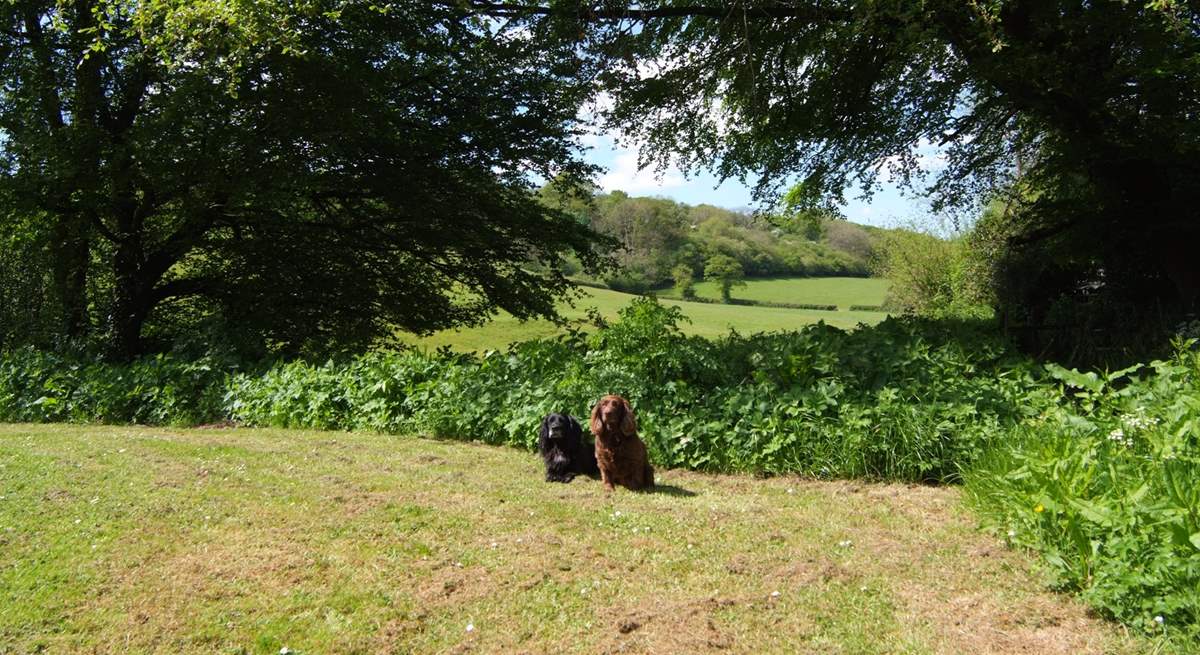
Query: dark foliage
297,179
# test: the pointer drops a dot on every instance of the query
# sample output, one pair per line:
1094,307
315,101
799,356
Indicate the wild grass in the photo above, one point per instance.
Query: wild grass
156,540
1103,483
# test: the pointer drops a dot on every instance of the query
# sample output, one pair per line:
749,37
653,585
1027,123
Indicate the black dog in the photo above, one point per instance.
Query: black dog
561,443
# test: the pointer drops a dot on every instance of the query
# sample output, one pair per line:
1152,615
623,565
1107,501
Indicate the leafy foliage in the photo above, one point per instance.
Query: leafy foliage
299,177
1103,482
897,401
726,272
658,235
932,277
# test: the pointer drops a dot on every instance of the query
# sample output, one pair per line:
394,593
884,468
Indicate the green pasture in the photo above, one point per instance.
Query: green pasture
158,540
707,320
840,291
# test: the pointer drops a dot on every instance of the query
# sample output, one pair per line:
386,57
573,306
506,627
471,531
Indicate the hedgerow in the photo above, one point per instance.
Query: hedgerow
1095,471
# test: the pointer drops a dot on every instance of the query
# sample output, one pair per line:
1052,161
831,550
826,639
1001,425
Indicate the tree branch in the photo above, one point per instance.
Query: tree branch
51,103
180,288
511,9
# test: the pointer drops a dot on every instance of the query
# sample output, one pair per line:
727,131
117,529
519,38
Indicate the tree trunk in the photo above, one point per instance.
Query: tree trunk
131,302
71,253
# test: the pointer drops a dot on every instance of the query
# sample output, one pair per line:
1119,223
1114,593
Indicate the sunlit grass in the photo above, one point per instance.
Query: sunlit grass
707,320
840,291
154,540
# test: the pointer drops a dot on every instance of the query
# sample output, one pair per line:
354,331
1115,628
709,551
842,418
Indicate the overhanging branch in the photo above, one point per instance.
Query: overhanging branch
516,10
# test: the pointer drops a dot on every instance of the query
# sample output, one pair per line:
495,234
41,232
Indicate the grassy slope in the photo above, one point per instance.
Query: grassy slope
840,291
707,320
247,541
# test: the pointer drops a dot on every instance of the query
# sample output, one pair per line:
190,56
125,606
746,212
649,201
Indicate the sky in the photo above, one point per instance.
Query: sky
887,208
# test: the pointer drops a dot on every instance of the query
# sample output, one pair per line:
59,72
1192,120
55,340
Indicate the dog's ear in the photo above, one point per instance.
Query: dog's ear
595,423
544,428
628,423
575,428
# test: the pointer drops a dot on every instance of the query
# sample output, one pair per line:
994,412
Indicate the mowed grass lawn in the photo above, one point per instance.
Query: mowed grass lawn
154,540
707,320
840,291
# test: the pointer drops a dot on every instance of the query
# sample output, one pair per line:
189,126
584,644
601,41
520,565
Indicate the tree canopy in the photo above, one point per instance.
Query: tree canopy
1083,116
303,176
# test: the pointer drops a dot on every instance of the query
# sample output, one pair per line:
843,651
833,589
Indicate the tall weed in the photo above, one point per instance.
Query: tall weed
1103,482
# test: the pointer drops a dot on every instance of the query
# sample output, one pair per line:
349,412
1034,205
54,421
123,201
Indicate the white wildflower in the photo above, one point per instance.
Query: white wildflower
1159,619
470,627
845,544
286,651
774,594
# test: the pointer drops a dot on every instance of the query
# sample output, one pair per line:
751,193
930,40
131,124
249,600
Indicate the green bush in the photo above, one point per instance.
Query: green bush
37,386
897,401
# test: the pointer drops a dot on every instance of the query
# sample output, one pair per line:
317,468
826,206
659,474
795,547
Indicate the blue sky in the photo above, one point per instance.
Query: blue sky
888,207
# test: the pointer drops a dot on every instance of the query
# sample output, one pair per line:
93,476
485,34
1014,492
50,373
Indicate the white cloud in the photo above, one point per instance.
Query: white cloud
624,175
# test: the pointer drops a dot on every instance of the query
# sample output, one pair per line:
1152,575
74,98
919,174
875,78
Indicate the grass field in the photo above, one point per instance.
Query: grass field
708,320
151,540
840,291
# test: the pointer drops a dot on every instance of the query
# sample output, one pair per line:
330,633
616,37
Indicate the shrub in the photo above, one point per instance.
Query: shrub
932,277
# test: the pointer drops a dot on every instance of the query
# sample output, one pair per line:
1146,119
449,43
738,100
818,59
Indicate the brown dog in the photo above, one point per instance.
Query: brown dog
619,452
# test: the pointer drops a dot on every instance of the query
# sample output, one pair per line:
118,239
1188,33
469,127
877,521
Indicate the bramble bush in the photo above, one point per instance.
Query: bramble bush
1096,471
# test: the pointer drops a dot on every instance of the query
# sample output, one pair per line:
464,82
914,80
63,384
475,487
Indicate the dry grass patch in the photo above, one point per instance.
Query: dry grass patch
247,541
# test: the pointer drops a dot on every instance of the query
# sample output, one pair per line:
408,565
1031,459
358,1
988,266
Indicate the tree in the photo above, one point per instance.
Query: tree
932,277
304,176
650,230
1086,111
684,282
725,271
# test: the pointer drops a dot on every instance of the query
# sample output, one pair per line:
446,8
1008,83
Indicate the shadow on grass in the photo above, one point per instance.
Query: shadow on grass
669,490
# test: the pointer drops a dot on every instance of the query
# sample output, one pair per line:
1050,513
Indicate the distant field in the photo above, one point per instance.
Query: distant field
840,291
708,320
